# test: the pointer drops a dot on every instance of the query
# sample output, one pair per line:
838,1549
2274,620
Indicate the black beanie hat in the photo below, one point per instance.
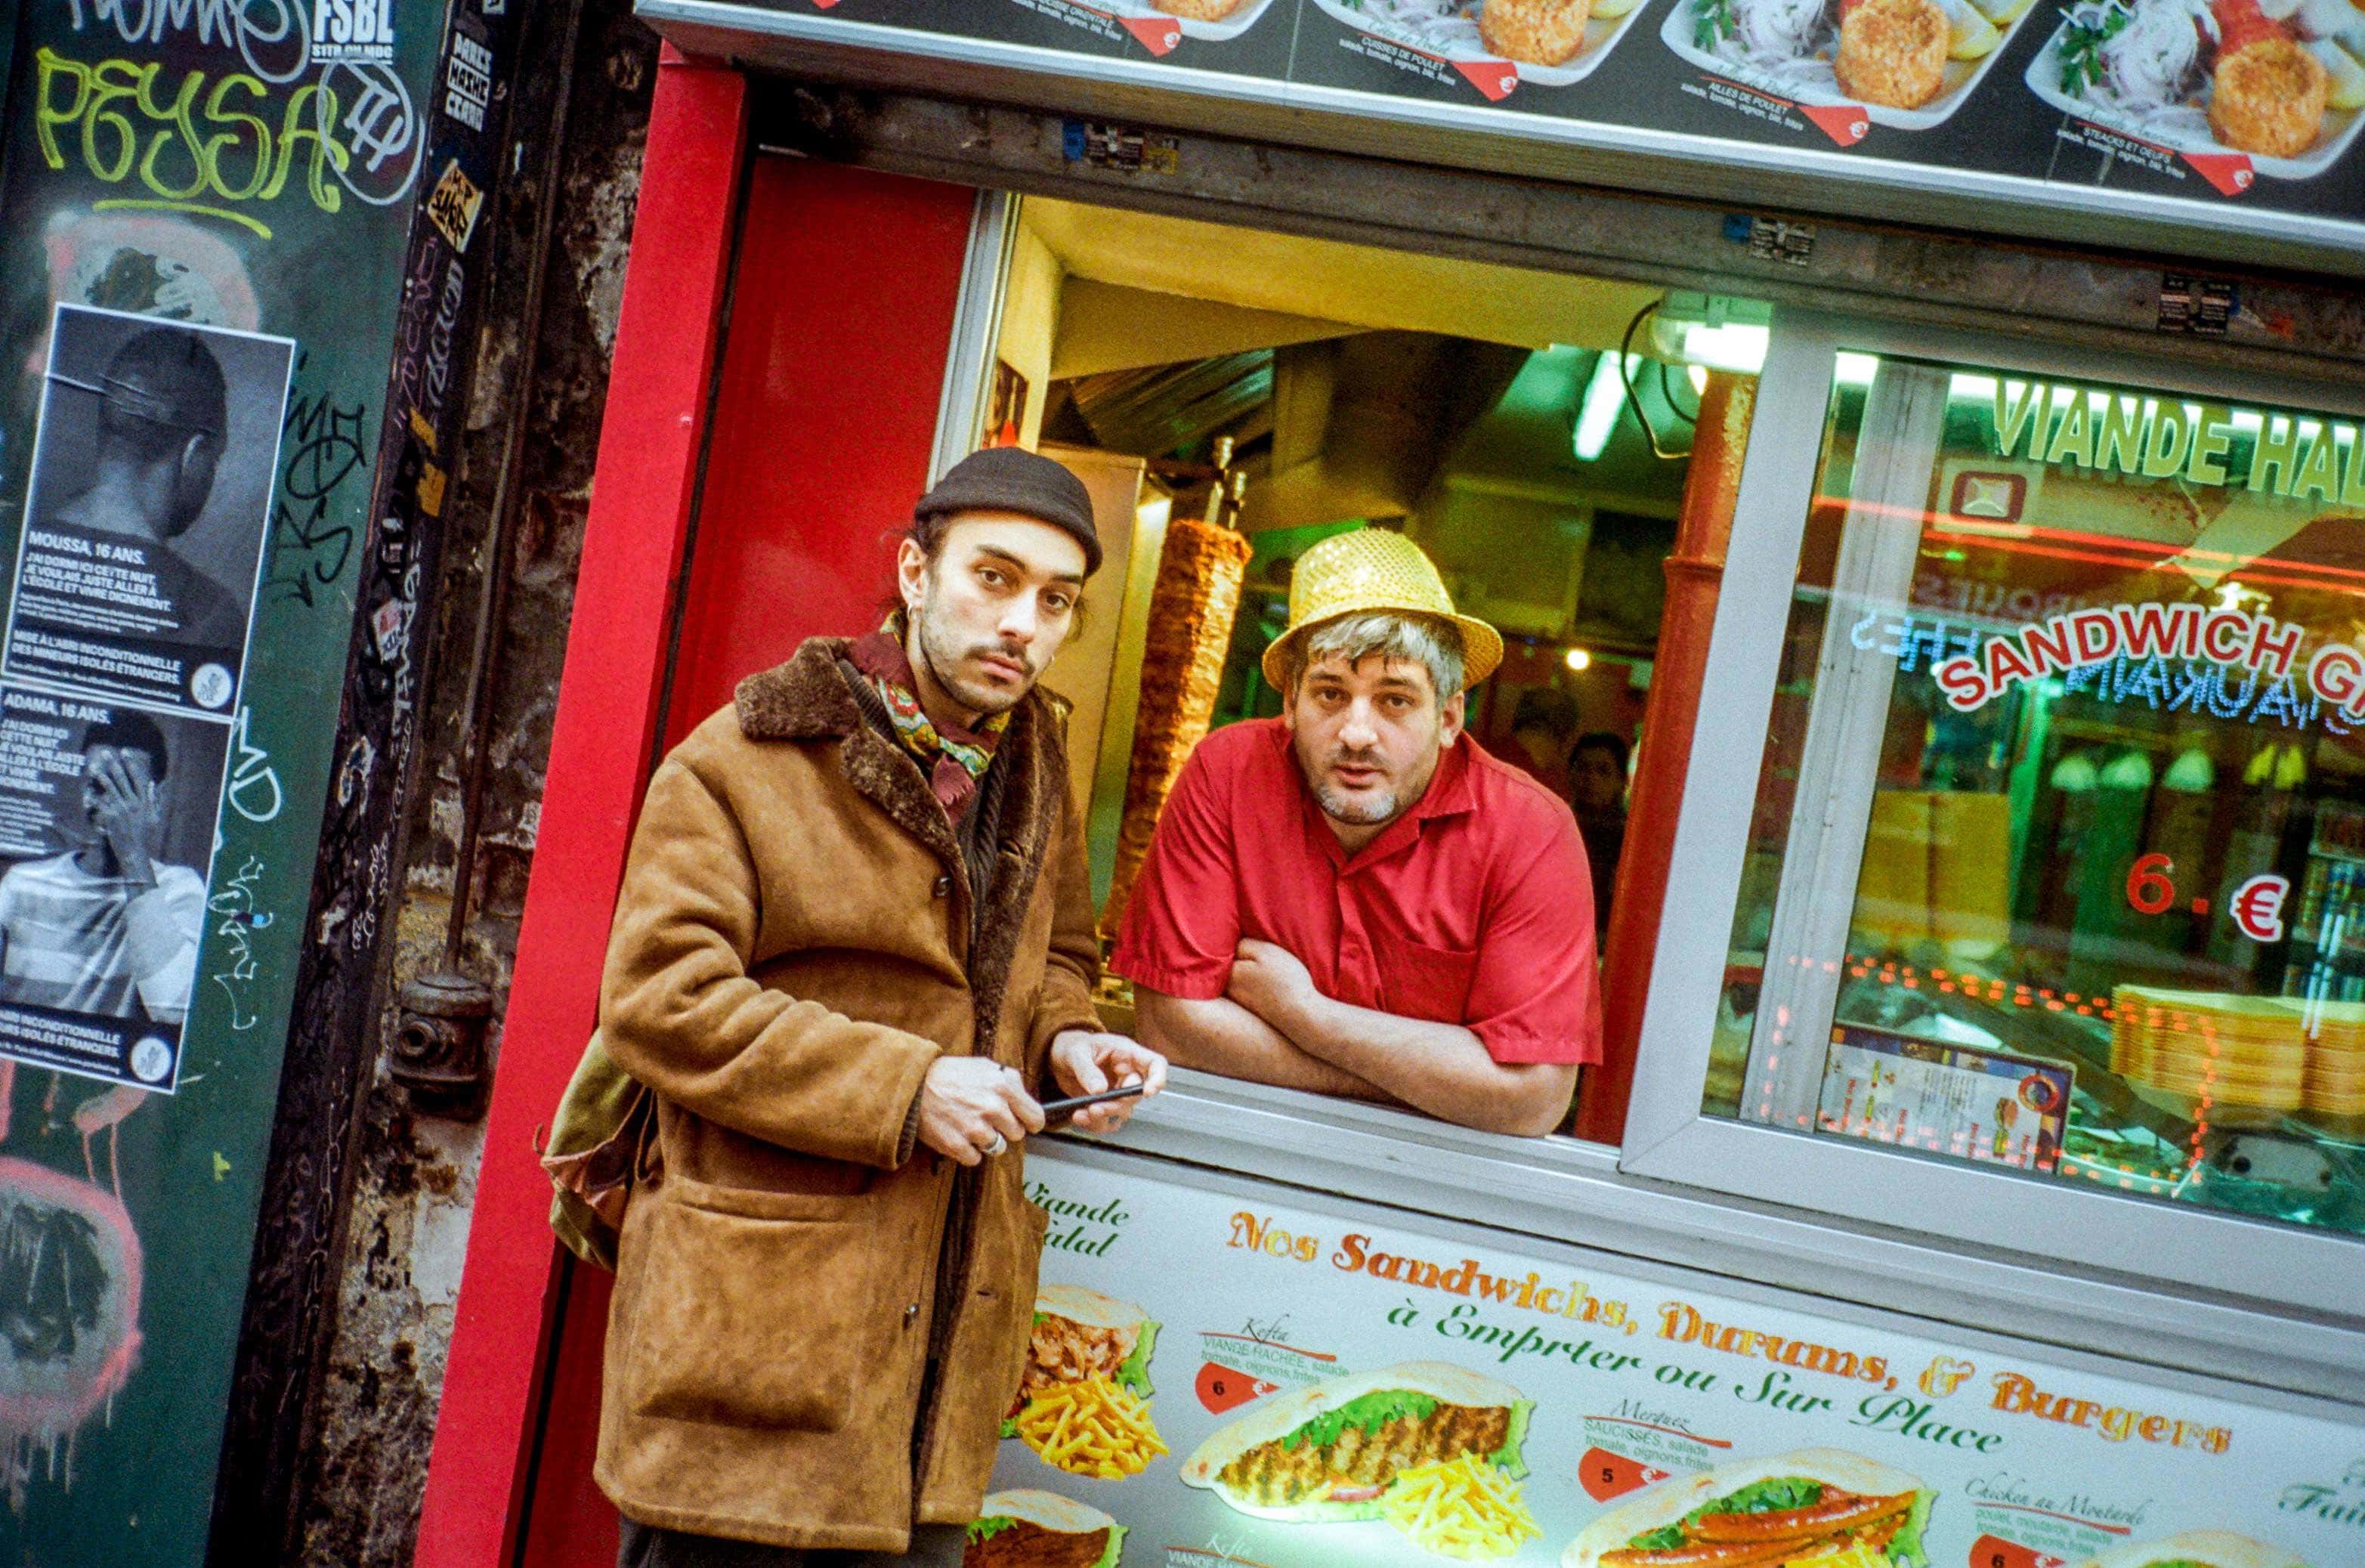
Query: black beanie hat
1011,478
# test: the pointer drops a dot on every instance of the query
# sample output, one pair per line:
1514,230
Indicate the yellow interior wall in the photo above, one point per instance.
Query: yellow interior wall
1030,323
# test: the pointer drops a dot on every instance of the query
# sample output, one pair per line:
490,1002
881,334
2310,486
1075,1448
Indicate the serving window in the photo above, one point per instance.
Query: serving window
2044,888
1527,430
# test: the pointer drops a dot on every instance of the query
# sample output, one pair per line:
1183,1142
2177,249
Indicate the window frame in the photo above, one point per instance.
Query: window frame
1668,1137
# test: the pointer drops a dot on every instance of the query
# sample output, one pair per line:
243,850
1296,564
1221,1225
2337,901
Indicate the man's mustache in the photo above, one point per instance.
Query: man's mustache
1000,651
1343,758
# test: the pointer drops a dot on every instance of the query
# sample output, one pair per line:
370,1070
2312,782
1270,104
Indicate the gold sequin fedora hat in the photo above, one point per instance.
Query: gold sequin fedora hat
1375,569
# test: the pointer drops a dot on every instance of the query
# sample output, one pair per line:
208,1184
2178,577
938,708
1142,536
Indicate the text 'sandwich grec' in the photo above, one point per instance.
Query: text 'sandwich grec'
2196,1549
1081,1334
1333,1450
1833,1508
1041,1529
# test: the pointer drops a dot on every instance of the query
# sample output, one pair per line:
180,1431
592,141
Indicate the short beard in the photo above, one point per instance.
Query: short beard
1334,804
1342,810
940,653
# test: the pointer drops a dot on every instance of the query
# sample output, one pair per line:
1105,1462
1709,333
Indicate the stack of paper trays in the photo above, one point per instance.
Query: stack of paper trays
2335,1056
2211,1047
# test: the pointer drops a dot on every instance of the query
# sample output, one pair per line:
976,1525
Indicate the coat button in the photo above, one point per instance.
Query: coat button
944,888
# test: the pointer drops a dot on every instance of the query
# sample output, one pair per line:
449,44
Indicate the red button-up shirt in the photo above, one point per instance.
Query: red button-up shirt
1473,908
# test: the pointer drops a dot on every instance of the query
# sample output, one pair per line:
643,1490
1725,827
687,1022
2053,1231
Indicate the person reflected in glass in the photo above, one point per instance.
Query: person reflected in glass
1596,787
1542,721
1348,897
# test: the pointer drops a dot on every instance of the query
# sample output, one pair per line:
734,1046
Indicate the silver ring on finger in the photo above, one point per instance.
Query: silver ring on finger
998,1145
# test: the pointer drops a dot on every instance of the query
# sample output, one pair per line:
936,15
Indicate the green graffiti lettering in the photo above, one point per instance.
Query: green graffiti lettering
217,113
181,118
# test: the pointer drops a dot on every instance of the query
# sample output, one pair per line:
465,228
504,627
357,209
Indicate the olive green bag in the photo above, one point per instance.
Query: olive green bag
602,1140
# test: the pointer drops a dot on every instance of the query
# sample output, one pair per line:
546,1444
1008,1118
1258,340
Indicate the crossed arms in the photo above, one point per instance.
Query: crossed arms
1272,1027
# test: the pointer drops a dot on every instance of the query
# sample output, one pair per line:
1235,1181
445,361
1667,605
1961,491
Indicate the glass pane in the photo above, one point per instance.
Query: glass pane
2058,863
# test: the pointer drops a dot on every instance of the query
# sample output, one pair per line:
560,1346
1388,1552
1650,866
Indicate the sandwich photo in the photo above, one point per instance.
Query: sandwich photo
1081,1334
1826,1507
1041,1529
2196,1549
1336,1450
2280,80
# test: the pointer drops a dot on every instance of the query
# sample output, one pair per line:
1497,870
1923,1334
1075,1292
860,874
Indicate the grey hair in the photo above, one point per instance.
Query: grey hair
1434,645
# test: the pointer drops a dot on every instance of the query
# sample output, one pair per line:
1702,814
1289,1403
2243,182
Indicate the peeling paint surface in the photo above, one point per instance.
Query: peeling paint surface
407,1234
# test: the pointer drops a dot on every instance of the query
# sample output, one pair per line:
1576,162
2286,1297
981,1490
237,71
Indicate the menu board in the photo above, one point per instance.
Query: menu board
1945,1099
1220,1374
2162,111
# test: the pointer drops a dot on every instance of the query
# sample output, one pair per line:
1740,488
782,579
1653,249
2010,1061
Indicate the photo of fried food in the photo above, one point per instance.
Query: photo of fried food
1198,10
1820,1505
2281,79
1334,1450
1893,52
1464,1508
1540,32
1081,1334
1092,1428
2269,97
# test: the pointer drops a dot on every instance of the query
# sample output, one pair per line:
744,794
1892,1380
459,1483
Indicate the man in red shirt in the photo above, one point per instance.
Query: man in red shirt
1355,899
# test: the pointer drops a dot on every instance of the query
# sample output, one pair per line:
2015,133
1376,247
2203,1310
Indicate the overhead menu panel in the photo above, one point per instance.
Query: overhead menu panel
2206,127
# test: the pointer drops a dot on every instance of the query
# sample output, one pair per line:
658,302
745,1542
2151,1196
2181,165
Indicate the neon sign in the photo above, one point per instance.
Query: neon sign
2233,639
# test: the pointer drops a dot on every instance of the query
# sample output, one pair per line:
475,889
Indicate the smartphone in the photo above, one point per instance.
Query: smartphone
1058,1111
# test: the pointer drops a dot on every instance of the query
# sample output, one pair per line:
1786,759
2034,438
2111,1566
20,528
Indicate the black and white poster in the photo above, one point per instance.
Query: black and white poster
149,499
107,823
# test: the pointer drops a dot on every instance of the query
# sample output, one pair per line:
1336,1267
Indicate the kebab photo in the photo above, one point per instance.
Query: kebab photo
2276,79
2196,1549
1082,1401
1336,1450
1081,1334
1552,41
1041,1529
1826,1507
1903,56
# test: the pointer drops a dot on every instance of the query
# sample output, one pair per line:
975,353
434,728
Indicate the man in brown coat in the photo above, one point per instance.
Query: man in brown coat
854,950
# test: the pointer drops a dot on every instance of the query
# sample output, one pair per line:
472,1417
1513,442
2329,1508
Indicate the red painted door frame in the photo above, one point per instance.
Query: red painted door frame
751,474
611,698
823,417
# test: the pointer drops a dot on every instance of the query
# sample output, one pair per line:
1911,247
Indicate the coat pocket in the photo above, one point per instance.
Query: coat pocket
755,1307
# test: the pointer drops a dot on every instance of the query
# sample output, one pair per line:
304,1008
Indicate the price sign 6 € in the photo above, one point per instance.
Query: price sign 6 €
2256,905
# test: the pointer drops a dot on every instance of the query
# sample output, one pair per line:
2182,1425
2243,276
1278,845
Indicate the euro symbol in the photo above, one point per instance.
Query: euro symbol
2259,907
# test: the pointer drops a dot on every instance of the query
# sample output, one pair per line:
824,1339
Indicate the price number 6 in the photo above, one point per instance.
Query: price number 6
2148,889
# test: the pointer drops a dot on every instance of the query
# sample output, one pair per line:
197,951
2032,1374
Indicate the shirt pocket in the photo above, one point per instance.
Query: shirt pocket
1422,982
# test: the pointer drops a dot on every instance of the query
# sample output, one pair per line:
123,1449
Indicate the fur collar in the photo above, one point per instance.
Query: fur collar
806,700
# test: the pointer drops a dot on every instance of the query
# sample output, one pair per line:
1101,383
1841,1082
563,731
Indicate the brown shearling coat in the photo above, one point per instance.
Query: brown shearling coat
791,951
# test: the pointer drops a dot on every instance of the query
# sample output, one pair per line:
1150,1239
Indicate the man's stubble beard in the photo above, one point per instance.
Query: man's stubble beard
1335,805
940,652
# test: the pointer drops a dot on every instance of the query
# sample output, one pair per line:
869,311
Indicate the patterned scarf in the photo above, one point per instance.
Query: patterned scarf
953,759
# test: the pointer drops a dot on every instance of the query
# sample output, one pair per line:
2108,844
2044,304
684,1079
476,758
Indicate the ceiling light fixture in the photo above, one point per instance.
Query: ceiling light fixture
1605,395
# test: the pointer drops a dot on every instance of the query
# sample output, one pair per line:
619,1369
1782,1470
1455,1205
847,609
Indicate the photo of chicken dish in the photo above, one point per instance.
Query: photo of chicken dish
1552,42
1907,62
1081,1334
1209,21
2281,80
